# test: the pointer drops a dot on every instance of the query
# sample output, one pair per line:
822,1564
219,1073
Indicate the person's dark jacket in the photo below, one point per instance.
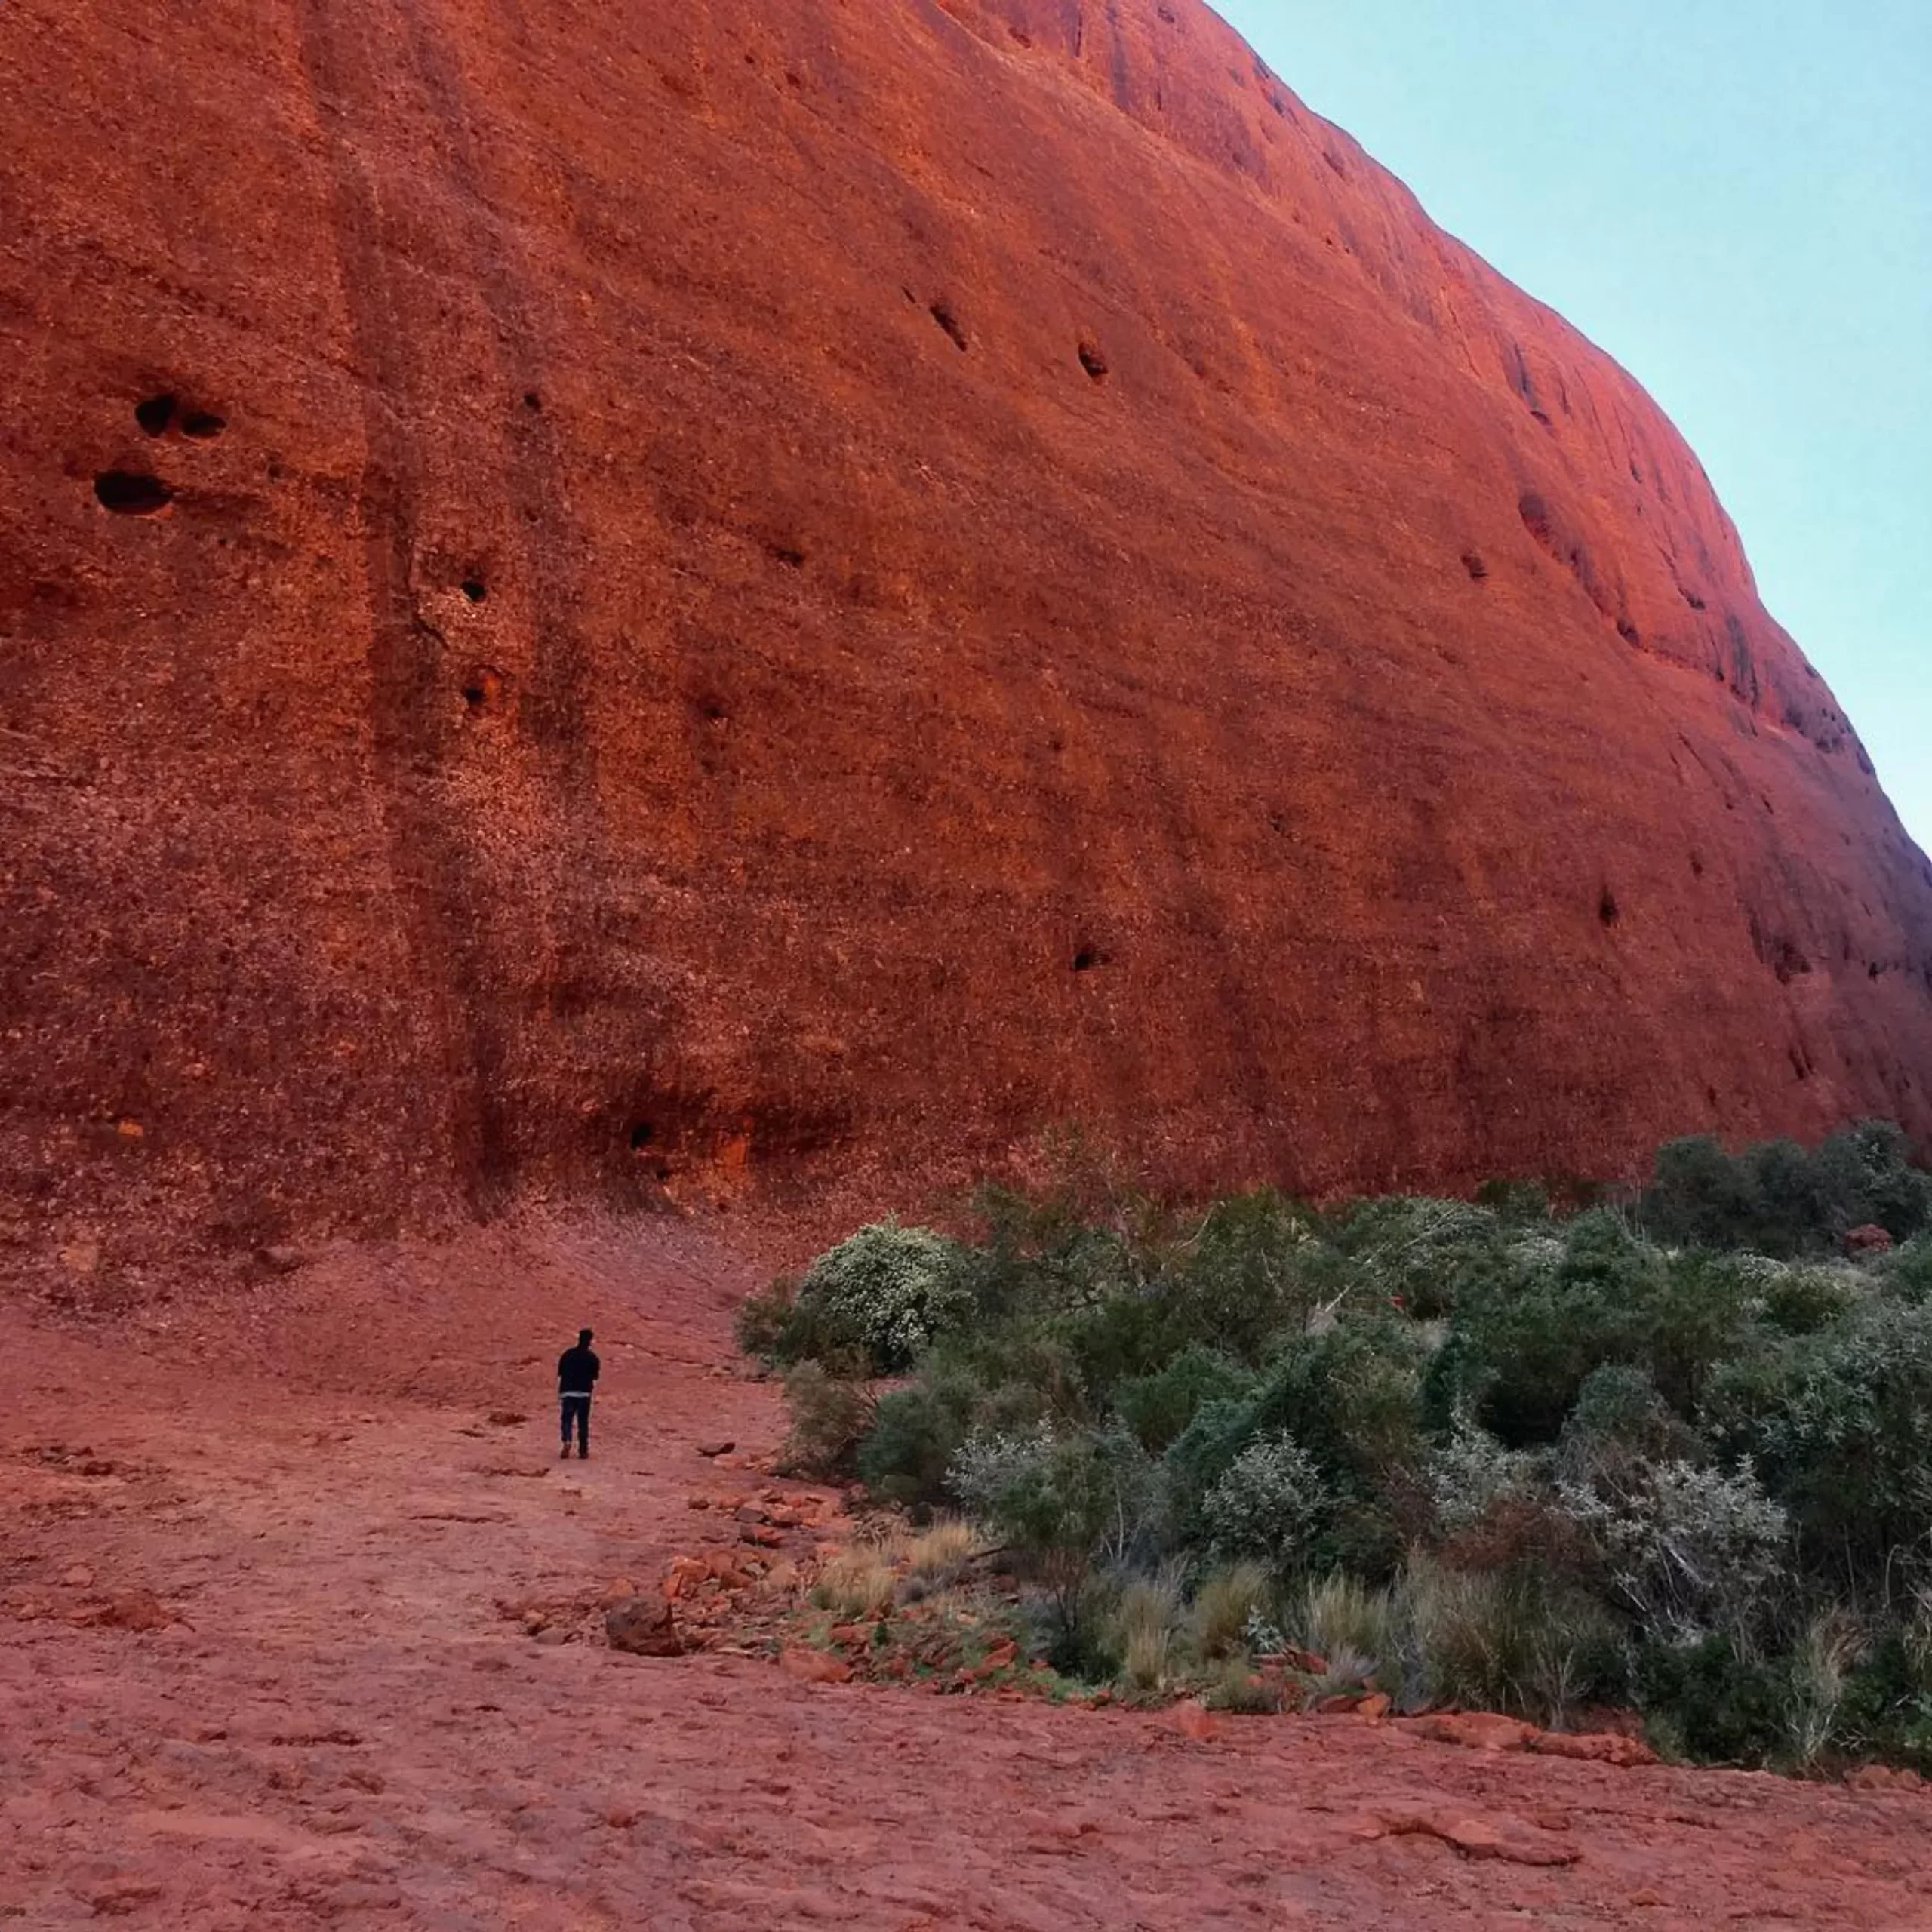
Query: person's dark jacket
577,1371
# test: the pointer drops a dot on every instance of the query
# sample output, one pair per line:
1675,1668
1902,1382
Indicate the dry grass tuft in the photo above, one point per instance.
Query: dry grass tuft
941,1554
857,1583
1227,1598
1144,1626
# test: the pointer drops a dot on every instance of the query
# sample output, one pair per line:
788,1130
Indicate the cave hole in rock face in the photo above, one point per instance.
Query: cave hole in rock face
475,590
641,1135
531,400
1093,361
1873,969
1472,562
1086,958
941,312
1628,632
483,691
1606,907
203,425
154,413
790,554
131,492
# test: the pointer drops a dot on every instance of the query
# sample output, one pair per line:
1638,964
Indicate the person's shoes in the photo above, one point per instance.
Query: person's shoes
583,1455
566,1456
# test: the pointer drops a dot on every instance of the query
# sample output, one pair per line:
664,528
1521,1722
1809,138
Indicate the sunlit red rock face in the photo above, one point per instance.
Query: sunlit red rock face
752,590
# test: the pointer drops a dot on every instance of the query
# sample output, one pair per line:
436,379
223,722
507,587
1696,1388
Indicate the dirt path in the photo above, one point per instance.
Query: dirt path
338,1726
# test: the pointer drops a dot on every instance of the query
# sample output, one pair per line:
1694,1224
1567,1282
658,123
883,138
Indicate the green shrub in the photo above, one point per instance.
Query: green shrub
1714,1701
1538,1461
1097,1347
1867,1177
829,1417
1240,1691
1060,1501
1840,1423
1778,1199
1414,1252
915,1435
1906,1273
1200,1455
774,1326
1351,1395
1619,1426
1508,1641
1475,1636
1266,1504
1515,1203
760,1323
1800,1301
1158,1408
1688,1550
1699,1197
885,1292
1254,1269
1348,1394
1695,1310
1468,1472
1527,1335
1531,1329
1887,1709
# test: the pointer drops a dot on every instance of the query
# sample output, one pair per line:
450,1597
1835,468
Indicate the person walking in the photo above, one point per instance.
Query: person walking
576,1380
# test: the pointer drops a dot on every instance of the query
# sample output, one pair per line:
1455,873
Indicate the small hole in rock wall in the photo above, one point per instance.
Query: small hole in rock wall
131,492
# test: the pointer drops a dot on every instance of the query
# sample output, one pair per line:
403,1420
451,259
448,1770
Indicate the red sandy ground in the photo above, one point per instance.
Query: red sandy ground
338,1726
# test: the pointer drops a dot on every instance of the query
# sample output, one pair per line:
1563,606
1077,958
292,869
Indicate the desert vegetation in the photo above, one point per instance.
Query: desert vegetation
1671,1453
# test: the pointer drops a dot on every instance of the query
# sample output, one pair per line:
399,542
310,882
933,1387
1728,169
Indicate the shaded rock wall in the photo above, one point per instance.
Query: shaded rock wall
709,594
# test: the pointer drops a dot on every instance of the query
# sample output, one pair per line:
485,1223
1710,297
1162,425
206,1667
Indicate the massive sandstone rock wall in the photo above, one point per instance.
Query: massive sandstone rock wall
754,590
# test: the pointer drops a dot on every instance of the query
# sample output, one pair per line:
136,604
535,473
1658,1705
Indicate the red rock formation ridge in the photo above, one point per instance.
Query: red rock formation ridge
732,590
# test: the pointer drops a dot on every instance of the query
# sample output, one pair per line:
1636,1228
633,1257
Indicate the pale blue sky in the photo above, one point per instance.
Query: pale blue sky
1734,199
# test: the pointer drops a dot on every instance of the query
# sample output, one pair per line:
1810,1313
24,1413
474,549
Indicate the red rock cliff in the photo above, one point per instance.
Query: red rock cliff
732,590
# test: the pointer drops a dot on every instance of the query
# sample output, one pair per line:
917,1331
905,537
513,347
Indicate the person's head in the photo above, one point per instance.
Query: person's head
583,1338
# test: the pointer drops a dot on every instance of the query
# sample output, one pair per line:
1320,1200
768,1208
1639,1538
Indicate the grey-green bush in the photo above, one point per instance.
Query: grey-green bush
886,1291
1266,1504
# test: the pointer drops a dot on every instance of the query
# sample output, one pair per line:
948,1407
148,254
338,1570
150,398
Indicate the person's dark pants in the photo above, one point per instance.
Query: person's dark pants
576,1408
